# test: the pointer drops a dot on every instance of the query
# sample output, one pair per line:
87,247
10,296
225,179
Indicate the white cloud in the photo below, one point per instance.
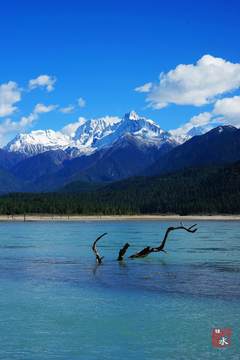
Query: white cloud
144,88
34,115
225,111
43,81
81,102
9,127
195,84
196,121
41,108
71,128
67,110
229,110
10,94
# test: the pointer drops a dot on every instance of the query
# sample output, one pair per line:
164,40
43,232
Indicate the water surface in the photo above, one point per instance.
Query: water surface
55,303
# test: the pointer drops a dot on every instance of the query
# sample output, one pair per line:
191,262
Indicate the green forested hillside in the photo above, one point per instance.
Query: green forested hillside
193,191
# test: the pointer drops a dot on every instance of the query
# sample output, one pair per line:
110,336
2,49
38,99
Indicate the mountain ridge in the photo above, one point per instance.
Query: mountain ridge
91,135
220,145
114,149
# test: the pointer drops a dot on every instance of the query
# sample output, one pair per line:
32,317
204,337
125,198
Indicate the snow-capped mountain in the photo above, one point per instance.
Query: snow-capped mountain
130,147
104,132
38,141
92,135
141,128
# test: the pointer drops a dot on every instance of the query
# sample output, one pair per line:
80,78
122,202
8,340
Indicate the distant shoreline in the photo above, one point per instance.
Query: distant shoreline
118,218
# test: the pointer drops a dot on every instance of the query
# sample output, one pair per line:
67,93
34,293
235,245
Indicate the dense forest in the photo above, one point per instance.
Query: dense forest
192,191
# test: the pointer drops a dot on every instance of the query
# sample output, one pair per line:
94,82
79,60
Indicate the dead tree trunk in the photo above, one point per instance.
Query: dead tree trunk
148,250
95,250
122,252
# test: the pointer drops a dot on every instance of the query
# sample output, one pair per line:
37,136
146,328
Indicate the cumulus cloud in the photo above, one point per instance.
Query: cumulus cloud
194,84
225,111
196,121
10,94
144,88
34,115
71,128
9,127
81,102
41,108
229,110
43,81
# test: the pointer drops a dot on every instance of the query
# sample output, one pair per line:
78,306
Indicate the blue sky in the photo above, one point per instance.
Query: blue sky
102,50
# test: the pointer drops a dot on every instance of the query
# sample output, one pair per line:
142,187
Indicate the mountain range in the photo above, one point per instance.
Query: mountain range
107,150
91,136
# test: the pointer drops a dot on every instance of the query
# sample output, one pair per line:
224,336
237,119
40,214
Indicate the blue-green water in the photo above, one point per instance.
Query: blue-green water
55,303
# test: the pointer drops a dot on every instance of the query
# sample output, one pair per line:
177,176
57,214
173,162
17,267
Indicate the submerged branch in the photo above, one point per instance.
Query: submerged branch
148,250
122,252
95,250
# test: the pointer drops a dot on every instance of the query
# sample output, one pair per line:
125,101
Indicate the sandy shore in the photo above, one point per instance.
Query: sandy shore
118,218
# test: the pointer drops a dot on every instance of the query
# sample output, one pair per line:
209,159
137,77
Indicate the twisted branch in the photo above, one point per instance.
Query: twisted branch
95,250
148,250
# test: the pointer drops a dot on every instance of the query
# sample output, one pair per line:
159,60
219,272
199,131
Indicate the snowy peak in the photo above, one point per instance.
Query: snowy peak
89,133
99,133
139,125
88,136
92,135
38,141
132,115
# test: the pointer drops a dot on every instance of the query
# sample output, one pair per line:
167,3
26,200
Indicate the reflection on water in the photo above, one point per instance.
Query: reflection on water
48,271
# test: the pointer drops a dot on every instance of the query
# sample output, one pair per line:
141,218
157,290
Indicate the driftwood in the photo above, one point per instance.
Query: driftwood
95,250
148,250
122,252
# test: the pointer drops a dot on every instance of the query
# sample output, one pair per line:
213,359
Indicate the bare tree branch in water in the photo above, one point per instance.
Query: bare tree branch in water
148,250
95,250
122,252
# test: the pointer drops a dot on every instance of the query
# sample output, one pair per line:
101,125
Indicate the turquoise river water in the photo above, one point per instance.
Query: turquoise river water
55,303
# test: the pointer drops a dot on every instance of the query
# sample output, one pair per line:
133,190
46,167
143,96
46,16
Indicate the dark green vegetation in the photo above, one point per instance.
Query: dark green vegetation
193,191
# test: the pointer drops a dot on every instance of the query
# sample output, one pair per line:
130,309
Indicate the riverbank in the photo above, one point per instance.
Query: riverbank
118,217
